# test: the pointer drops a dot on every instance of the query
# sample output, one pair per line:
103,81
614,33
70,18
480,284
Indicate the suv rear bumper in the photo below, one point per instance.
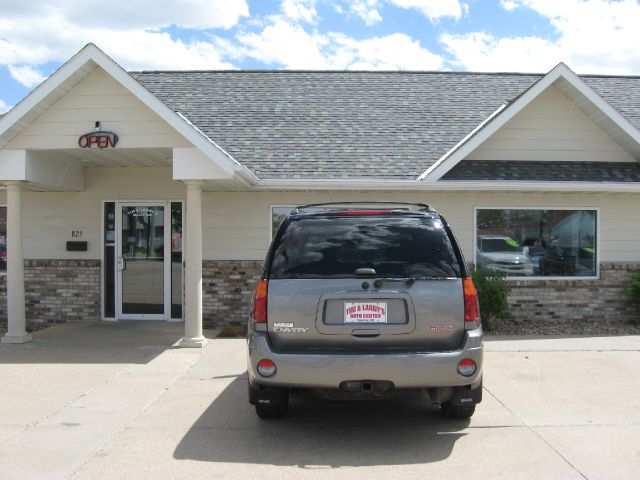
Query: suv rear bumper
405,370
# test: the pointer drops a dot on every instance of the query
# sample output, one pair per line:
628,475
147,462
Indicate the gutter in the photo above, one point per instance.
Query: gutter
446,185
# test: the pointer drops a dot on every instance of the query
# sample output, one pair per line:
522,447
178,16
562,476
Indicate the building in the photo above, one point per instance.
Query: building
153,195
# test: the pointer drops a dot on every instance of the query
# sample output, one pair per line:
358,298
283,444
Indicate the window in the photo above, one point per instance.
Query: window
3,239
278,214
335,247
541,243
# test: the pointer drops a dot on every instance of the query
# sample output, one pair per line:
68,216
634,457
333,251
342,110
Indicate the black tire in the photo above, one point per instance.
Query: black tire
275,409
457,411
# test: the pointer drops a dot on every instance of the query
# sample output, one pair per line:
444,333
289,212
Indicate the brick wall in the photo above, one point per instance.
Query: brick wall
69,290
588,302
58,291
227,286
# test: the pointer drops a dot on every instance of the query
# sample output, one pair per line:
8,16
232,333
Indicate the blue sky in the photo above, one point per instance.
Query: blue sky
591,36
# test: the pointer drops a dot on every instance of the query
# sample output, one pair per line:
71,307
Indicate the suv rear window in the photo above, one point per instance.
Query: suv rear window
335,246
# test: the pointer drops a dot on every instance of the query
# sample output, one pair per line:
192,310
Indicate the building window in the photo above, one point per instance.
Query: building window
3,240
537,242
278,214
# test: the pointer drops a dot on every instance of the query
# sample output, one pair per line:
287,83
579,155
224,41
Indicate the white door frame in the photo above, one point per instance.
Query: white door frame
166,263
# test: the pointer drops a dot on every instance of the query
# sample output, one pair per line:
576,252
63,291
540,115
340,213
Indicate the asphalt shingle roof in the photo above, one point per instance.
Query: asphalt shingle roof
545,171
384,125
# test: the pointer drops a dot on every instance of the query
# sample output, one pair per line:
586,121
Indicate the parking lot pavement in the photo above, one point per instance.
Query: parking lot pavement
553,408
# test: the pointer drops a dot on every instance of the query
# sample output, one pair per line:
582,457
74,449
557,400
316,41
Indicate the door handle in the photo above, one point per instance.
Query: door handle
122,264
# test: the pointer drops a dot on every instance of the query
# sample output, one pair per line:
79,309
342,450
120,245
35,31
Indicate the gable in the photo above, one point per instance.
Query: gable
551,128
98,97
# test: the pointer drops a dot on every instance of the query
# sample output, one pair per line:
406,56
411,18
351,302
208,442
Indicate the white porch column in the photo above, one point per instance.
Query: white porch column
193,268
16,332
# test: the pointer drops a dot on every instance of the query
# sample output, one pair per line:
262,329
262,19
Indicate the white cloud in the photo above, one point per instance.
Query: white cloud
26,75
391,52
592,36
4,107
139,14
286,44
33,34
289,45
508,5
482,52
432,9
297,10
369,10
55,40
366,10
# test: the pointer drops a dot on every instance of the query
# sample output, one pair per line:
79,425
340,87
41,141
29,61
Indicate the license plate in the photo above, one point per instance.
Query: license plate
365,312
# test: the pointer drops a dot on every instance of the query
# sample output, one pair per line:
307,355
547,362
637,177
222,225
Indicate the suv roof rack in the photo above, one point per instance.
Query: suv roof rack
333,206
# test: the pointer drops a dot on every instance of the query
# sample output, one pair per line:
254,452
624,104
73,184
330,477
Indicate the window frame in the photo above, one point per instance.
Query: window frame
537,207
4,274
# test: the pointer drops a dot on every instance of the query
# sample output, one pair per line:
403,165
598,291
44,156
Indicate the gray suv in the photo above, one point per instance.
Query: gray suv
363,301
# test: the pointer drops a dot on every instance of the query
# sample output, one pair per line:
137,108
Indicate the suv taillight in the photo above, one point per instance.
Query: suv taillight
260,302
365,212
471,309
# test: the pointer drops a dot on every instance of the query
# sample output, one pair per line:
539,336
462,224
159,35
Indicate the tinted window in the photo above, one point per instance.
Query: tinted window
395,246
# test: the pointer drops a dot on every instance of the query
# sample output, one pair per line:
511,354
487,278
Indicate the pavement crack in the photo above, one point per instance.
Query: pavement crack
532,430
125,425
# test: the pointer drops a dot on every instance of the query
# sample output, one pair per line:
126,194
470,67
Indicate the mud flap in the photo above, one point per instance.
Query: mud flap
259,394
465,396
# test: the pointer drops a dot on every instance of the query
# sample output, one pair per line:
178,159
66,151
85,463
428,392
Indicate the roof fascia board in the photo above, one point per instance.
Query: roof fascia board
462,142
448,185
451,159
178,122
246,174
92,54
611,113
77,63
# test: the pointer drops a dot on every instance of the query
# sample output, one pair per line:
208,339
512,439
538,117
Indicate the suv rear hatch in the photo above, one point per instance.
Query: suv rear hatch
354,281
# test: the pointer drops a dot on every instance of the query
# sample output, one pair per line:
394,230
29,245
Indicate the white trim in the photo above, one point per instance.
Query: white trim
446,185
559,71
102,264
84,61
182,205
4,205
462,142
537,277
166,204
246,174
102,257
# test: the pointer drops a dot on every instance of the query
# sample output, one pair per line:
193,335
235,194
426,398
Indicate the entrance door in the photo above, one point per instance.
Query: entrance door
143,261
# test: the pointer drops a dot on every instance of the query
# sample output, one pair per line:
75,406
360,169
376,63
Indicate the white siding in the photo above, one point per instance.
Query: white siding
551,127
50,217
98,97
236,224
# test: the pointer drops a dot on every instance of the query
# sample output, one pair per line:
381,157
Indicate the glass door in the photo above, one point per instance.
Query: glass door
144,261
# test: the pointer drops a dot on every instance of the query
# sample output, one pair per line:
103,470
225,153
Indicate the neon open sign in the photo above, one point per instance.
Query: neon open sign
99,139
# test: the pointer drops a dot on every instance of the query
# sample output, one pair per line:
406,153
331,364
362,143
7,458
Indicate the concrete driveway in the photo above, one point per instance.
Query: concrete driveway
117,401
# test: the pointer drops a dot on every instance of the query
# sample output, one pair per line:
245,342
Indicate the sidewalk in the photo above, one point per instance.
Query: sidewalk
97,402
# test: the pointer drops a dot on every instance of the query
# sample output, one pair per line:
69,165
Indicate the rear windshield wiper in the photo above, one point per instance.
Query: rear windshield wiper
378,282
